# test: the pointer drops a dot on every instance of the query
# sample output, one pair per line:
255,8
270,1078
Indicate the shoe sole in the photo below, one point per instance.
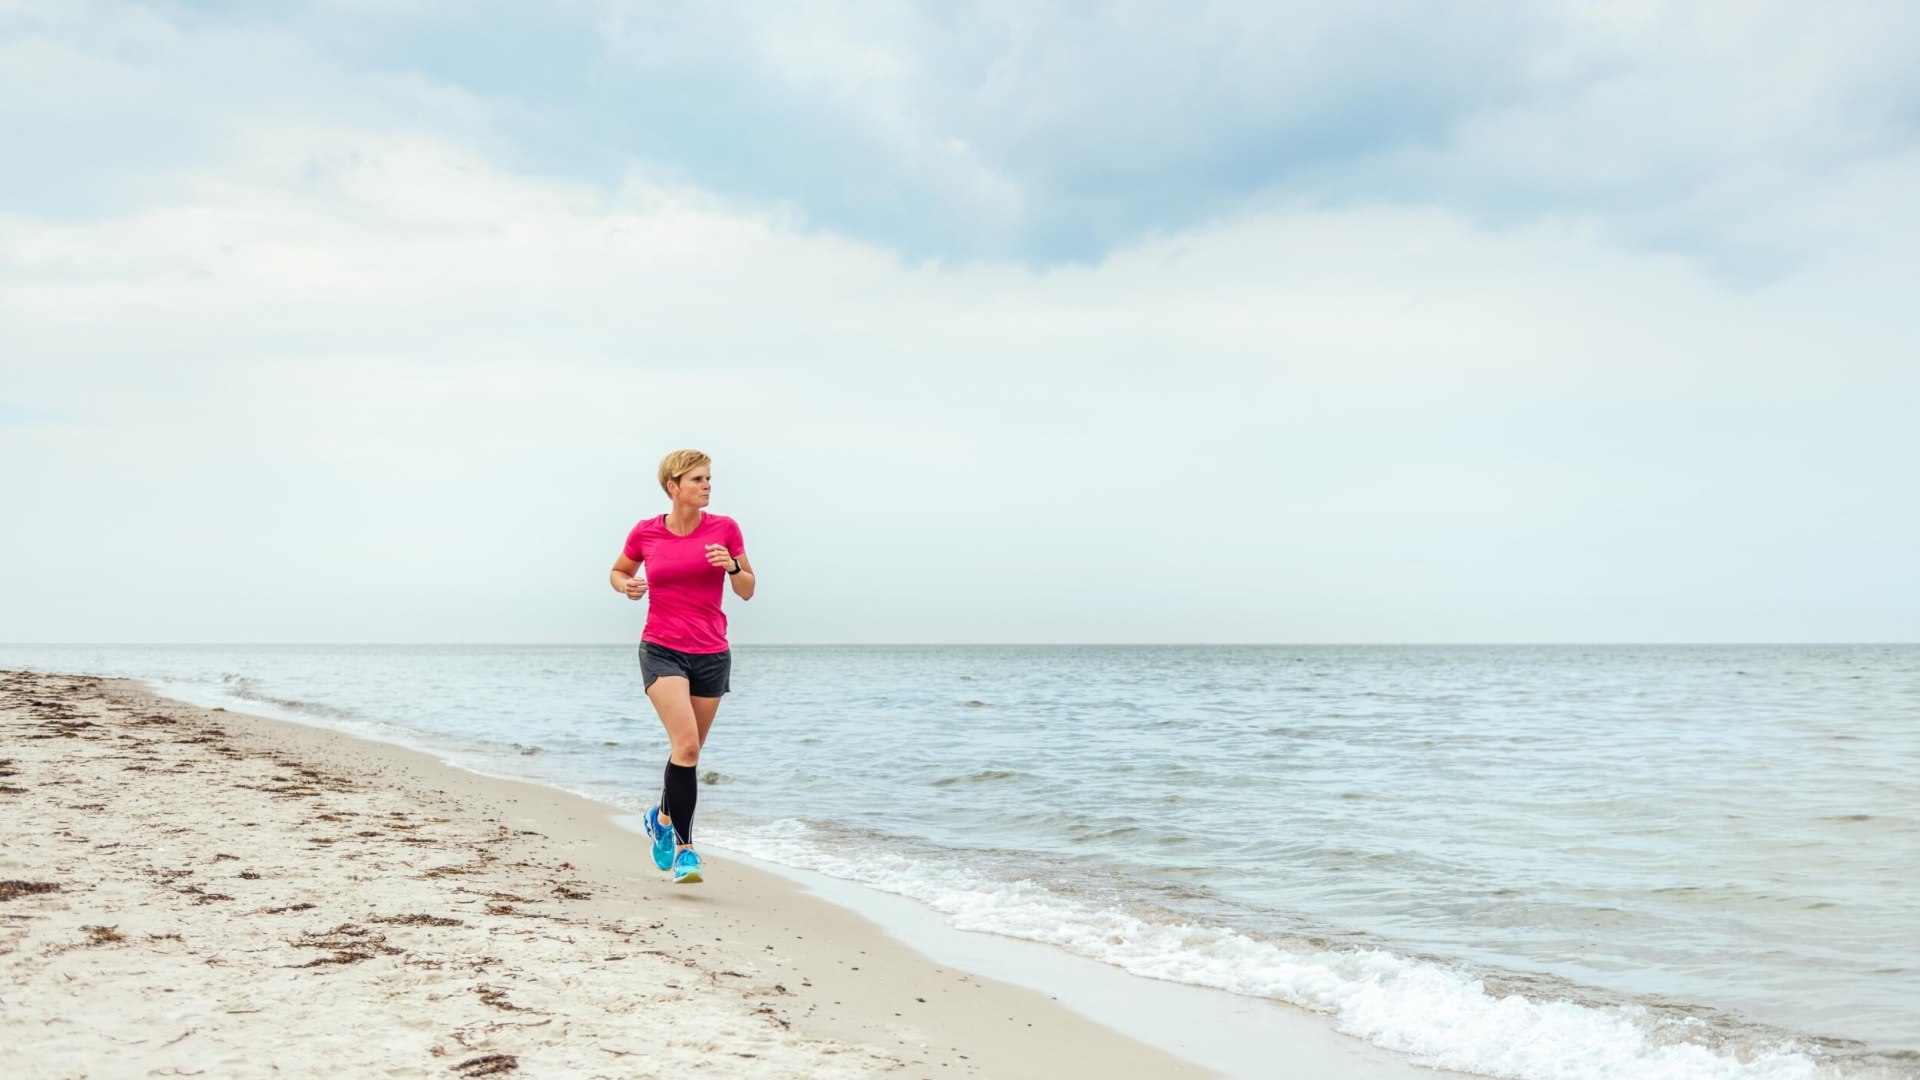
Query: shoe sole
691,877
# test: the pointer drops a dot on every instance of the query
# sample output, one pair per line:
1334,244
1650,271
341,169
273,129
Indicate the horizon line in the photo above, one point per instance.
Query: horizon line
929,644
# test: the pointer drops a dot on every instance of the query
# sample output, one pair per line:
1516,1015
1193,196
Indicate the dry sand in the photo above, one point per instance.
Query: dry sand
192,892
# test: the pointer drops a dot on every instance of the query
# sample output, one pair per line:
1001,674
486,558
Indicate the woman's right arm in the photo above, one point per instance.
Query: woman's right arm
625,578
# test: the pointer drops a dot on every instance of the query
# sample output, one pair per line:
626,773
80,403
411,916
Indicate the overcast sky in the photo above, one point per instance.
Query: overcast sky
1004,322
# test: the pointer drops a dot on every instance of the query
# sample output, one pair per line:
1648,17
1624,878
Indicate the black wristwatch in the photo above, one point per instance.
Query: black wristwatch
736,568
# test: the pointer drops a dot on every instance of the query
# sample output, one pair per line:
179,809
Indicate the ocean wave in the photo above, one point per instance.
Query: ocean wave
247,689
1440,1014
981,777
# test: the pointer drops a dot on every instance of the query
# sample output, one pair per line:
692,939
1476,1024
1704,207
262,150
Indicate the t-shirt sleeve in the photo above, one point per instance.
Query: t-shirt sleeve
736,544
633,550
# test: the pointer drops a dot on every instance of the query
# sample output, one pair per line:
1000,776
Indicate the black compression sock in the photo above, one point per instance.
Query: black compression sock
681,795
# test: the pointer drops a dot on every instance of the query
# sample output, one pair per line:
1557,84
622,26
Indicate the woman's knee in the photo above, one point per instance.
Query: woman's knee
677,715
686,745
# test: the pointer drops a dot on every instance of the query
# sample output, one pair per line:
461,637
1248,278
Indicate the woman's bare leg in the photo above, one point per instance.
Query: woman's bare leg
703,710
675,708
670,699
687,720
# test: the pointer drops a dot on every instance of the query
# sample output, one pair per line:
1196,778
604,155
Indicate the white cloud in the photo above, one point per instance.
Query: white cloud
363,384
348,368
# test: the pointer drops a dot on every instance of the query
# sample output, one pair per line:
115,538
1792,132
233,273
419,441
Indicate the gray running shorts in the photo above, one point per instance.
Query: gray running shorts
707,674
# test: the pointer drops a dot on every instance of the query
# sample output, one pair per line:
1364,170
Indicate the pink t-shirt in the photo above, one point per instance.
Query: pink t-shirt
683,588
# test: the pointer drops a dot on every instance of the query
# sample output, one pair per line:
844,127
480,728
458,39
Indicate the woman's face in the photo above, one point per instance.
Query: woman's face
695,486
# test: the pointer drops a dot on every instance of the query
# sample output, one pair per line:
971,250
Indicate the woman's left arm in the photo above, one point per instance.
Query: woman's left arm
739,571
742,582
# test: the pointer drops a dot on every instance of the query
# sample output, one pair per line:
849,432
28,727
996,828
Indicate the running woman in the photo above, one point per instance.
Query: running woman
684,661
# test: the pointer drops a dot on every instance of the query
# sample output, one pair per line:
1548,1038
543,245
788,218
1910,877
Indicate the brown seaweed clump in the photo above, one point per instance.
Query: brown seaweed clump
11,889
348,943
496,997
488,1065
417,920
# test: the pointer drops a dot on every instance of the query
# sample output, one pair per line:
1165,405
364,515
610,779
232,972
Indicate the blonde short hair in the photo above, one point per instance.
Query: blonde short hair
678,464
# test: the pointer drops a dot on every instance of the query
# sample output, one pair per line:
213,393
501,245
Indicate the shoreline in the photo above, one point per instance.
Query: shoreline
199,872
1233,1034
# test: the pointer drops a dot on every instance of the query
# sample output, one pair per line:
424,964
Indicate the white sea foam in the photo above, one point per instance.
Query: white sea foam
1441,1017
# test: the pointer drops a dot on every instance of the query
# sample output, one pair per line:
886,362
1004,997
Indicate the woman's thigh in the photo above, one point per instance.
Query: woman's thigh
675,706
704,709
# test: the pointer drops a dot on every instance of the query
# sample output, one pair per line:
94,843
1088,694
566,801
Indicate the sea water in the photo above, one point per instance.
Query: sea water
1538,862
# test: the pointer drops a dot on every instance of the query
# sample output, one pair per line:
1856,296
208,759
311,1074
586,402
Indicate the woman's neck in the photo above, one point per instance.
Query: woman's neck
682,520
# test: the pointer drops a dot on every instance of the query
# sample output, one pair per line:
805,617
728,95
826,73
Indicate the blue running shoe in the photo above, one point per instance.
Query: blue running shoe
662,836
686,867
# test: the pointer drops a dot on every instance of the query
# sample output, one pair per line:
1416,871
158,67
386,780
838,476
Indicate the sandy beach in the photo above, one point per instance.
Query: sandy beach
194,892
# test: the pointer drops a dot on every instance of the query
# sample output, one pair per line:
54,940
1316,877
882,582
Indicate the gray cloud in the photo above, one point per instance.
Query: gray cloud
1045,133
